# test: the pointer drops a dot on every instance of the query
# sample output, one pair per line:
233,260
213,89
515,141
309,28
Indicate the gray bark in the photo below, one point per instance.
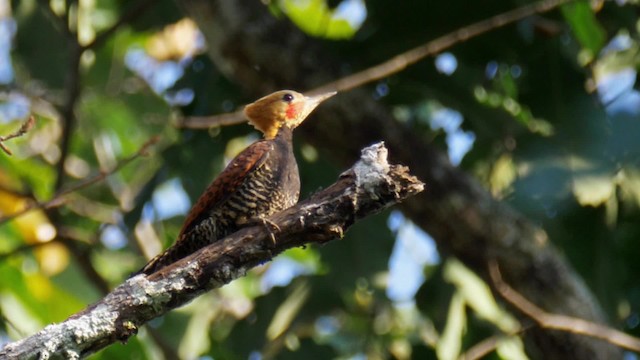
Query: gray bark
262,54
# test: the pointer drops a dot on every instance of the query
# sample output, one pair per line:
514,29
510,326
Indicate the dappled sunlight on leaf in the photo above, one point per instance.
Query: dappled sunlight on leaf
195,341
93,17
176,41
309,152
237,298
477,295
148,239
593,190
288,310
316,18
52,257
614,75
520,112
236,145
511,348
34,227
40,287
400,349
585,28
76,167
43,139
503,174
450,343
629,180
42,300
91,209
19,313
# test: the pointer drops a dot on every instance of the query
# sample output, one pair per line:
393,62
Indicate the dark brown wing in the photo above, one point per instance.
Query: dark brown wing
227,182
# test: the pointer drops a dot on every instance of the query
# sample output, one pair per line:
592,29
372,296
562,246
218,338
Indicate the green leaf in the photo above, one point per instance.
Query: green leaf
586,29
593,189
449,345
511,348
629,182
503,173
288,310
33,298
315,18
478,296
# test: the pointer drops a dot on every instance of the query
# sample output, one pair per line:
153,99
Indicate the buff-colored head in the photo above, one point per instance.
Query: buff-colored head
282,108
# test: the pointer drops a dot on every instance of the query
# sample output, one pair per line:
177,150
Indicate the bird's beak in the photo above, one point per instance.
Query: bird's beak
317,99
311,102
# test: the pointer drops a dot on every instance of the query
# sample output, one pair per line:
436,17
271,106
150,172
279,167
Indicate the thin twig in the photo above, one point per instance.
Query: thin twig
10,323
486,346
482,349
72,80
399,62
26,126
58,199
560,322
440,44
23,248
14,192
59,21
72,86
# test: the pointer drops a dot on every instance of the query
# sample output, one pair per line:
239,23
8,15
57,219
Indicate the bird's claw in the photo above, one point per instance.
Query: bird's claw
271,228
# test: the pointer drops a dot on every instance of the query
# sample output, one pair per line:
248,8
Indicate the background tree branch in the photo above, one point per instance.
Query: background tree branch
59,198
26,126
560,322
368,187
262,53
398,62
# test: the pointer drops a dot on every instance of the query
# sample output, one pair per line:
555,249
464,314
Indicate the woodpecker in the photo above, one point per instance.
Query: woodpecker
261,180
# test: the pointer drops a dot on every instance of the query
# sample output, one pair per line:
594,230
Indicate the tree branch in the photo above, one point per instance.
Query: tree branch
398,62
67,110
26,126
482,348
560,322
368,187
73,75
58,199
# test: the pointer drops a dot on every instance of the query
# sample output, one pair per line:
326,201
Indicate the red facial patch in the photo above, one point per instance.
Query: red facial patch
293,110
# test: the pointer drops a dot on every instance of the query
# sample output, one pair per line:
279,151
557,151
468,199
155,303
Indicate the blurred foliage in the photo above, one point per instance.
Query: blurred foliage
551,101
317,18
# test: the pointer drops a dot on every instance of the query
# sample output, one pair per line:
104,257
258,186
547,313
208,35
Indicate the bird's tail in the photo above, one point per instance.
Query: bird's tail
181,249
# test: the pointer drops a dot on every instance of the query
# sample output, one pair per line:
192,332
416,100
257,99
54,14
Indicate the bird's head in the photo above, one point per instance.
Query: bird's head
282,108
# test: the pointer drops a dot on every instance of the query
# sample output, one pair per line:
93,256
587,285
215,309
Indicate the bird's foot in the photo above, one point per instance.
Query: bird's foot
271,227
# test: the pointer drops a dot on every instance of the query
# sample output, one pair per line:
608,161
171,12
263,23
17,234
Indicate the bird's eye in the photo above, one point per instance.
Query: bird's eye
287,97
